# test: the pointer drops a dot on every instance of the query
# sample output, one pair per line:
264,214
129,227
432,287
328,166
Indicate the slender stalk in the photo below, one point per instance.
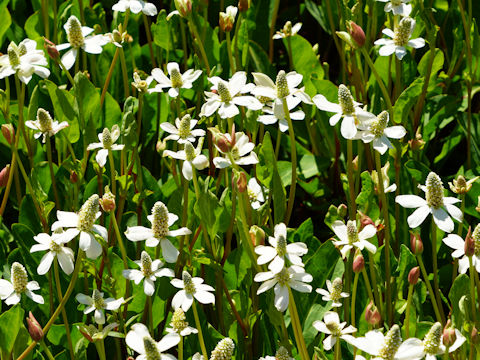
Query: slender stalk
472,289
276,5
184,44
47,351
429,288
180,348
373,274
293,154
289,50
9,183
149,39
229,51
387,238
113,180
191,22
109,75
52,174
235,42
352,208
64,313
46,25
199,328
435,271
407,312
367,284
296,320
354,295
338,350
100,345
126,82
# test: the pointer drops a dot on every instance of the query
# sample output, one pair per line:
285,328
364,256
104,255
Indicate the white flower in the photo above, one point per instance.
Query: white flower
347,108
350,237
376,130
293,277
285,87
139,339
77,38
11,291
45,125
398,7
92,333
107,143
183,131
434,204
255,193
276,113
116,37
400,39
431,346
24,60
227,19
334,329
191,158
135,7
149,272
334,292
56,249
288,30
161,220
184,8
387,188
239,150
383,347
191,288
280,251
458,244
179,324
226,96
139,84
177,80
82,223
98,304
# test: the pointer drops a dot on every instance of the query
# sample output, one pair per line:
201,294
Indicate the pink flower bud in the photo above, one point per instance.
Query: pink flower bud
73,177
469,243
8,132
4,175
372,315
51,49
358,263
449,337
241,182
243,5
413,275
365,220
474,334
223,144
34,328
257,235
416,244
357,33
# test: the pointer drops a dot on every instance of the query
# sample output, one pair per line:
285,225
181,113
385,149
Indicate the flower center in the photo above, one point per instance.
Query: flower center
189,152
184,127
188,284
403,31
13,54
431,342
74,33
151,350
223,350
379,124
146,264
55,247
224,93
287,28
476,239
396,2
282,85
98,301
19,278
178,320
22,49
252,196
434,193
235,153
283,277
345,100
107,139
393,339
282,354
281,245
352,233
176,78
87,214
44,120
334,328
160,220
337,287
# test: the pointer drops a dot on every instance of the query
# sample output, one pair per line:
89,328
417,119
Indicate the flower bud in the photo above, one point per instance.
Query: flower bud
357,33
34,328
449,337
365,220
416,244
8,132
474,336
417,143
84,330
257,235
160,146
184,7
347,38
372,315
413,275
73,177
241,182
227,19
107,201
342,210
469,243
51,49
4,175
243,5
223,144
358,263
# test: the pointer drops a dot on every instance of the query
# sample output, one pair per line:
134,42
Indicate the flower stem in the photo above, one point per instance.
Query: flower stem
354,295
373,274
289,50
52,174
109,75
180,348
293,154
21,124
472,289
407,312
369,287
199,42
149,40
302,348
435,272
429,288
47,351
386,232
276,5
113,180
338,350
199,328
64,313
229,50
352,208
9,183
123,64
100,345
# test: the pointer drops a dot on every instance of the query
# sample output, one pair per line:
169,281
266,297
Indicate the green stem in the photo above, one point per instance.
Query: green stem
276,5
47,351
21,124
52,173
199,42
429,288
229,51
119,239
126,82
435,271
184,44
354,295
109,75
100,345
369,287
407,313
296,322
9,183
149,39
352,208
472,289
50,322
373,274
289,50
113,180
386,232
199,328
293,154
64,313
180,348
235,42
338,350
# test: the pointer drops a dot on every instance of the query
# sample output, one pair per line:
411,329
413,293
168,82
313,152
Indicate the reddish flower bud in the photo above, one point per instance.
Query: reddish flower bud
108,200
365,220
413,275
34,328
372,315
474,335
358,263
8,132
51,49
85,334
73,177
243,5
357,33
416,244
469,243
242,182
223,144
4,175
257,235
449,337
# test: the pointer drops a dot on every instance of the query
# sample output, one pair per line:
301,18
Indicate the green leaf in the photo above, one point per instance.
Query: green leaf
10,323
34,26
417,170
160,31
406,262
213,216
6,19
407,99
460,288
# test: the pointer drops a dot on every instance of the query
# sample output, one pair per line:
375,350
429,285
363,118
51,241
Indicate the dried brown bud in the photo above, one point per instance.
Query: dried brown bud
413,275
8,132
469,243
241,182
257,235
358,263
34,328
4,175
416,244
372,315
73,177
357,33
243,5
51,49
